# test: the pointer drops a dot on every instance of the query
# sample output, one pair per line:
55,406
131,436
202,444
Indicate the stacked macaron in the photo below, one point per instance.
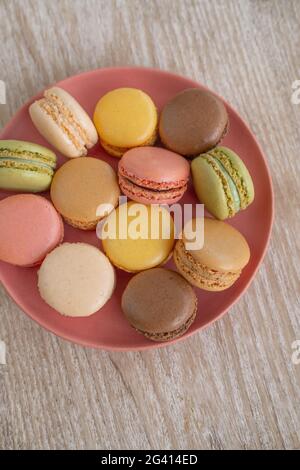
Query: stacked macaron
77,279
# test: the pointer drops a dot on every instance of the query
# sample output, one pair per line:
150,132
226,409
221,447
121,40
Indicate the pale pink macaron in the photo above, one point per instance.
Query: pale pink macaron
30,228
152,175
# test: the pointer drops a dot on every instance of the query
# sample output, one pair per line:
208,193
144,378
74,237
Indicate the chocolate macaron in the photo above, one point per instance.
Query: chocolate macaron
193,122
160,304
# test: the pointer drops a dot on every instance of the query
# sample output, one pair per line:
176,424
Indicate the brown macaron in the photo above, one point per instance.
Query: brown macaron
193,122
160,304
219,263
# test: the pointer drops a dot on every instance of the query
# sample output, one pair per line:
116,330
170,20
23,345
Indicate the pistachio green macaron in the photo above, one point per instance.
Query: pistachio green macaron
25,166
222,182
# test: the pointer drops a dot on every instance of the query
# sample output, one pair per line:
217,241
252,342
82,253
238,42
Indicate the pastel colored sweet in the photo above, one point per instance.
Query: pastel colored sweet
61,120
76,279
30,228
125,118
160,304
222,182
193,122
153,175
219,263
136,237
25,166
84,190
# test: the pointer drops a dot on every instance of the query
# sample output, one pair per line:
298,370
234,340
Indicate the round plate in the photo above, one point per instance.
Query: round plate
108,329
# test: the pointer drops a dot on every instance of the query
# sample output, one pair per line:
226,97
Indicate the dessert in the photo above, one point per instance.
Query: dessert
76,279
160,304
222,182
153,175
30,228
61,120
219,263
125,118
84,190
25,167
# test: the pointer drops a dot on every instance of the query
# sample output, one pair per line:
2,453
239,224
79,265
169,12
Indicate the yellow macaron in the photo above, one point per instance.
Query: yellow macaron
136,236
125,118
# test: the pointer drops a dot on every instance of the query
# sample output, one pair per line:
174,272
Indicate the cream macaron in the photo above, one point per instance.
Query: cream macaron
76,279
61,120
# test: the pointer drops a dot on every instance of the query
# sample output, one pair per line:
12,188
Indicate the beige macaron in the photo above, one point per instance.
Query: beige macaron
219,262
61,120
76,279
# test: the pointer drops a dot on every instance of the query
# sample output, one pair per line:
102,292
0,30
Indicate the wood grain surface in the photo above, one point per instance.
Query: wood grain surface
233,385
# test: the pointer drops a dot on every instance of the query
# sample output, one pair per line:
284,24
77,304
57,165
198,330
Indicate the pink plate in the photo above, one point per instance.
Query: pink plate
108,329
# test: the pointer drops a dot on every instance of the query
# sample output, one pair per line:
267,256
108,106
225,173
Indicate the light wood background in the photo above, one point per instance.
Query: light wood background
233,385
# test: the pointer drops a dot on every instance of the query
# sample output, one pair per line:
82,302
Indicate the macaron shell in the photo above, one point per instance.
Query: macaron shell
78,112
154,168
80,186
76,279
159,301
137,254
225,248
30,228
125,117
14,179
193,122
50,130
211,190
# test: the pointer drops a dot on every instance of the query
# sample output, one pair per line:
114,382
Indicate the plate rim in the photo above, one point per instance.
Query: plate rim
189,333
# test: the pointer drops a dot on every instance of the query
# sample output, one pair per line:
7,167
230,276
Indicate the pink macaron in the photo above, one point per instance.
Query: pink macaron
30,228
152,175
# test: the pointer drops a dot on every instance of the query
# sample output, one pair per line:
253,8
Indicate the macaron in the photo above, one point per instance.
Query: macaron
125,118
160,304
136,237
25,166
219,263
30,228
193,122
84,190
222,182
61,120
153,175
76,279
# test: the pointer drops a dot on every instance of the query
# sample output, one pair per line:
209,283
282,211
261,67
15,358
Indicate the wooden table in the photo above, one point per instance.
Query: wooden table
233,385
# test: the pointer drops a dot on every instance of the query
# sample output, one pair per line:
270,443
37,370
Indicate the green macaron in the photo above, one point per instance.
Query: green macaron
222,182
25,166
